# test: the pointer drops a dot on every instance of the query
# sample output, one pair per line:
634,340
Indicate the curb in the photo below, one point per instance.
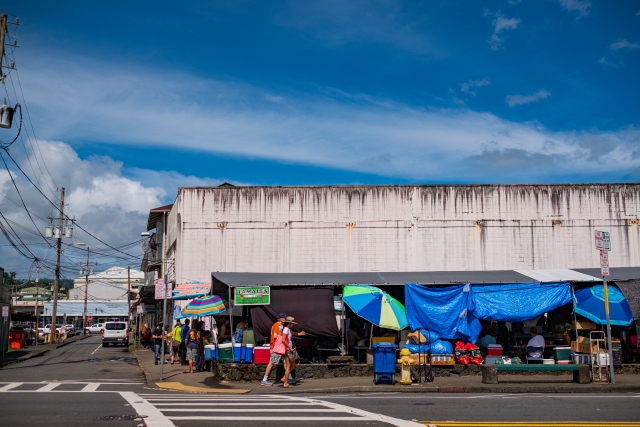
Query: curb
147,375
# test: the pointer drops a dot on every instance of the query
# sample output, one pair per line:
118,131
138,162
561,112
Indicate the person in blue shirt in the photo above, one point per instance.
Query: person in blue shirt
183,345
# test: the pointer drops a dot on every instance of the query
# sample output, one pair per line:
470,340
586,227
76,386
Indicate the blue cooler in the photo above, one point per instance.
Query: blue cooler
248,354
237,353
210,352
384,362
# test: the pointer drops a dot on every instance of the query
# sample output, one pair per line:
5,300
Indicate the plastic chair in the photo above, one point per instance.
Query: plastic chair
535,358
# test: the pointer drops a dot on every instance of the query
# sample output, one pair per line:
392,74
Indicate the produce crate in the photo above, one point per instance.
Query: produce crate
442,359
581,359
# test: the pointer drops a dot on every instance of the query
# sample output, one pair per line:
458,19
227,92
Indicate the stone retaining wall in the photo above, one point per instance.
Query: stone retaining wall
242,372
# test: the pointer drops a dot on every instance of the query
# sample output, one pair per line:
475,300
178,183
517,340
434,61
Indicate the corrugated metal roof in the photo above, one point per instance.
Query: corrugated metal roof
422,277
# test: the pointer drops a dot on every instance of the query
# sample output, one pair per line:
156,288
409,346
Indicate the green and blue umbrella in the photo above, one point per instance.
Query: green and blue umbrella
376,306
589,302
204,306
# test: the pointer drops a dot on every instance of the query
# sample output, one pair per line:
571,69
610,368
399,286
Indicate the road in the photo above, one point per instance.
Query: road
83,383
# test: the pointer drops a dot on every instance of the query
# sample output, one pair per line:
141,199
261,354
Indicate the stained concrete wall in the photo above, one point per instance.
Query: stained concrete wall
402,228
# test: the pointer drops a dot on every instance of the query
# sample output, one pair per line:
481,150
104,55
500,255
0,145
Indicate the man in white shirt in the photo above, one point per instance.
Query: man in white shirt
536,341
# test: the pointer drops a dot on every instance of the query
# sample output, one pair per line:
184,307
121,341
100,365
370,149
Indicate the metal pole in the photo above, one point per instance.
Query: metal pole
36,310
575,319
86,293
606,309
129,316
56,282
164,299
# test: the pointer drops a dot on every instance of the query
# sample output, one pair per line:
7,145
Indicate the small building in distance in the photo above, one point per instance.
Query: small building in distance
110,285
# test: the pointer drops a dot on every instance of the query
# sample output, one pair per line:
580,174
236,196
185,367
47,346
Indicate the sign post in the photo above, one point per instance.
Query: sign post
603,244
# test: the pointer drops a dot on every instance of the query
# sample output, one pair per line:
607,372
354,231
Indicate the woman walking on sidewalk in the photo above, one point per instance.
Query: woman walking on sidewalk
193,345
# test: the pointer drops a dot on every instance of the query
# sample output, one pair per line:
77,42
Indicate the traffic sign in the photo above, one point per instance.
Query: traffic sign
604,259
603,240
5,311
604,271
90,319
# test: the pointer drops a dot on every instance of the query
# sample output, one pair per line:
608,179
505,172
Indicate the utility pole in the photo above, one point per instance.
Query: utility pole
3,30
56,282
129,319
87,272
36,310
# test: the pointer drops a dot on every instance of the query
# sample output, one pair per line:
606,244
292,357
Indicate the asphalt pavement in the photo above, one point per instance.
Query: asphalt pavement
85,384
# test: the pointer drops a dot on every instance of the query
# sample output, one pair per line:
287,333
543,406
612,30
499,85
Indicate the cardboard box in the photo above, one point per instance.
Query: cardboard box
585,325
581,348
416,337
420,359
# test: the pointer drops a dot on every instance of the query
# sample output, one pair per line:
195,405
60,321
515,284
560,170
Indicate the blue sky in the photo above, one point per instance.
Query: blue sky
158,95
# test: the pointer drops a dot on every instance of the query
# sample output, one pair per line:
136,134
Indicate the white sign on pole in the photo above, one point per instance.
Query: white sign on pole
599,244
5,311
160,289
604,263
604,271
140,309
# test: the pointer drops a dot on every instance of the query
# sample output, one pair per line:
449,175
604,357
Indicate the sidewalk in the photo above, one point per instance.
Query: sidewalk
22,354
175,378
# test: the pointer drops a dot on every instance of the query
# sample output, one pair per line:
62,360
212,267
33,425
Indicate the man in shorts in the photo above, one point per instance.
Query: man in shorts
275,358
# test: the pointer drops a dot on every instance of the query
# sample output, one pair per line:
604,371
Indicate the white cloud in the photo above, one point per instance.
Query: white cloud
514,100
624,44
500,24
468,86
133,106
580,6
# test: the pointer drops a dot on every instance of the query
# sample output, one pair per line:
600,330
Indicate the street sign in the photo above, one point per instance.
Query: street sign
255,295
90,319
603,240
140,309
160,290
5,311
604,263
604,271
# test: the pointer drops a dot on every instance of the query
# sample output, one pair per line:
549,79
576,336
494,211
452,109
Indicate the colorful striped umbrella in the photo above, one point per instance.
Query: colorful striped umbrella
376,306
190,290
204,306
589,302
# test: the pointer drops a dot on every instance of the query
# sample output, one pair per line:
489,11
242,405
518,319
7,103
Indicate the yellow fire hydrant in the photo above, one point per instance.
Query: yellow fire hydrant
405,362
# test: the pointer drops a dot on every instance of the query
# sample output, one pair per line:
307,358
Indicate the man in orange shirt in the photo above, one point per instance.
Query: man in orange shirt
275,358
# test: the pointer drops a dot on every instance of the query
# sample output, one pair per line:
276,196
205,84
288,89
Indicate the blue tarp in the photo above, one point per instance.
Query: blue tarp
454,311
518,302
447,311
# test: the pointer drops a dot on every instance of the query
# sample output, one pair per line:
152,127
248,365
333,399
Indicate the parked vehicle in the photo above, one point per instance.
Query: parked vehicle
71,328
96,329
47,328
115,333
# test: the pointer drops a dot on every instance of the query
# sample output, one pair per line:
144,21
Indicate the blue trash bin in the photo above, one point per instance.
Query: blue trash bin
384,362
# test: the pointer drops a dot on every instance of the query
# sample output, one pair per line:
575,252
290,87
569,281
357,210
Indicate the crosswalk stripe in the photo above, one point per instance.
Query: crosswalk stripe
238,404
280,410
10,386
48,387
91,387
275,419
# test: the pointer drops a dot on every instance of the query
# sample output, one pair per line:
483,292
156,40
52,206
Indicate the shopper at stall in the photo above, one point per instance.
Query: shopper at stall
274,358
176,341
193,345
157,342
292,355
183,345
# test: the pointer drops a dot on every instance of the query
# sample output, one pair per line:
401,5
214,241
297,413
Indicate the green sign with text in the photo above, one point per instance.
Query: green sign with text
255,295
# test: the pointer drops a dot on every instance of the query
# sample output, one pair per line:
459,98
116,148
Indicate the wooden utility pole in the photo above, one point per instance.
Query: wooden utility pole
3,30
56,283
87,272
129,295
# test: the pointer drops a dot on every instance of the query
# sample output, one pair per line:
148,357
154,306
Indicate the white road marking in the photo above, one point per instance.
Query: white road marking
91,387
96,349
279,410
154,418
276,419
355,411
237,404
48,387
10,386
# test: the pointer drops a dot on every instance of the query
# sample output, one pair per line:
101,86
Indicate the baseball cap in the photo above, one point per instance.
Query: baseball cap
281,316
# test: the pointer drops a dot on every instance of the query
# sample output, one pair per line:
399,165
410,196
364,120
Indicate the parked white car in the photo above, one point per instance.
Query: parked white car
47,329
96,329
